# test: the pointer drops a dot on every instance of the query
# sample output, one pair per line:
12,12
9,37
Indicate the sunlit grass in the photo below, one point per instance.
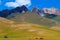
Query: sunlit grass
27,31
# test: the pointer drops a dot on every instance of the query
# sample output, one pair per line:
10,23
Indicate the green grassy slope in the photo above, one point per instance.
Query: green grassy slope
26,31
57,18
31,18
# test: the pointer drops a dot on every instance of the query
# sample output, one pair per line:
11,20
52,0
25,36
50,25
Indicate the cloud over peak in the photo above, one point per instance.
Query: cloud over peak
18,3
23,2
11,4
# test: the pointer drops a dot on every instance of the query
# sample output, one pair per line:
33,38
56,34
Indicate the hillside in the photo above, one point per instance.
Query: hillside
57,18
25,31
31,17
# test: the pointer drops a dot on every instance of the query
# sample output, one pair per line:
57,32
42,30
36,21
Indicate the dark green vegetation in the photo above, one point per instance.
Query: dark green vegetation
57,18
51,16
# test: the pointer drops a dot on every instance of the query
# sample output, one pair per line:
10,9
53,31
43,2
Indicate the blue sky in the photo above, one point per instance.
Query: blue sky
9,4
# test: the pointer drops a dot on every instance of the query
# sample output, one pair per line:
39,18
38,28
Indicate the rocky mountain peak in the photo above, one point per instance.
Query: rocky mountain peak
24,8
51,11
38,11
7,12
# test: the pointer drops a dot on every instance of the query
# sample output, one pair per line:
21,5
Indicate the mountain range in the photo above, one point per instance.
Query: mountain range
41,12
49,16
21,23
7,12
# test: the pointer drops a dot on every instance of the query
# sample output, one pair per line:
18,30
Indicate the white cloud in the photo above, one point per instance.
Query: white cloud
18,3
24,2
11,4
